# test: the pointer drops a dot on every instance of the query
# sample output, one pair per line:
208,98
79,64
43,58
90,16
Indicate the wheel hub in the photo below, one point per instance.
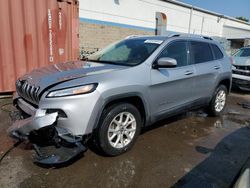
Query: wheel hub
121,130
220,101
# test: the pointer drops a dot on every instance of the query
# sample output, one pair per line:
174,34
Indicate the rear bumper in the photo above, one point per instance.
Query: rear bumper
241,81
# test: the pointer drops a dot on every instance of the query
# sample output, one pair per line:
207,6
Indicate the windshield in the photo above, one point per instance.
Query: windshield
128,52
244,52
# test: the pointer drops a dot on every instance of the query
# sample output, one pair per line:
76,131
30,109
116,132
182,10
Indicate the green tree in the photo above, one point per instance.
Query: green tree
242,19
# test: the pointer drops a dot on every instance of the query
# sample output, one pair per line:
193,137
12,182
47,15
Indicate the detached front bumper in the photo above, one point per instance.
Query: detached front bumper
54,146
22,128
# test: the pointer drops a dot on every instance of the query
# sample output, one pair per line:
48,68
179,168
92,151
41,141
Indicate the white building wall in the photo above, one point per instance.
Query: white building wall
141,14
211,25
235,30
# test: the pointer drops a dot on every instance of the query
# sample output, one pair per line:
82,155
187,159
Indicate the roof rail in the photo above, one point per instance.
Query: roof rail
188,35
206,37
132,36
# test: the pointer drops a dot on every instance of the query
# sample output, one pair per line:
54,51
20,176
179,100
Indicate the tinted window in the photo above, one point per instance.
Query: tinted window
176,50
200,52
244,52
217,53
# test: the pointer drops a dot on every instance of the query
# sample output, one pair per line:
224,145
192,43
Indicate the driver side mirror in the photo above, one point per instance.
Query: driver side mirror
165,62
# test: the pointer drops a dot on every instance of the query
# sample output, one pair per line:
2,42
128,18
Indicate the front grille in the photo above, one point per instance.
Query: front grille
247,68
242,70
27,91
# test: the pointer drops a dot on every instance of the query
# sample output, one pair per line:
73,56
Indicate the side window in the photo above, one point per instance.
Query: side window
217,52
200,52
178,51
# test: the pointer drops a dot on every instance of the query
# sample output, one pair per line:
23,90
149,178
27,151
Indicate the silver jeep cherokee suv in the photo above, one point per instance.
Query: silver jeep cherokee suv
117,91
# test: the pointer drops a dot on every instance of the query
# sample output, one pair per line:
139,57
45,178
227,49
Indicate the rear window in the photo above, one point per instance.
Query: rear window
200,52
217,52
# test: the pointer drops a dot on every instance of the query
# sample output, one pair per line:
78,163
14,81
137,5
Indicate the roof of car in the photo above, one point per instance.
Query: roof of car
170,35
148,37
244,47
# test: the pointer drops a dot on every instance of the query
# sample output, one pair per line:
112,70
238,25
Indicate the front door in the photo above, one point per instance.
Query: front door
172,88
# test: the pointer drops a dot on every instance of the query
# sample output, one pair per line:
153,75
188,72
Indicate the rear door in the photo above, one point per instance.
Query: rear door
172,88
207,69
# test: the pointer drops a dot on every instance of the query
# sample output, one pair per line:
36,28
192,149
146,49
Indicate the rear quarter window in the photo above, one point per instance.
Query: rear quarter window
200,52
217,52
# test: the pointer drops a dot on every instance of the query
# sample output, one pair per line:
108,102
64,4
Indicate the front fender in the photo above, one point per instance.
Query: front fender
107,98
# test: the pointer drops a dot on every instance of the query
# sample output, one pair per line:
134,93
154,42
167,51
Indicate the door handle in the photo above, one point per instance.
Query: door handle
188,73
216,67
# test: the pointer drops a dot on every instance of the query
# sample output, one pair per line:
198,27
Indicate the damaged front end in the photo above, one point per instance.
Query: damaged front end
54,146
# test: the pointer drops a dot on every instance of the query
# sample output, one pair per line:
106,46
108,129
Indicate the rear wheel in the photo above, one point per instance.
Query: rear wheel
118,129
218,102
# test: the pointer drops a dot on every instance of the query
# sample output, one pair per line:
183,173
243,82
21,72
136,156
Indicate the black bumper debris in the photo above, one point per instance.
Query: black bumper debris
51,156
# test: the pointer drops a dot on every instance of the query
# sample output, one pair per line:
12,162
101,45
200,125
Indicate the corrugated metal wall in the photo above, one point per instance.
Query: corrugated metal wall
35,33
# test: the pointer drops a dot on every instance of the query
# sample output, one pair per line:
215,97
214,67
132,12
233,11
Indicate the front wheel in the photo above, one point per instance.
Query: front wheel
218,102
118,129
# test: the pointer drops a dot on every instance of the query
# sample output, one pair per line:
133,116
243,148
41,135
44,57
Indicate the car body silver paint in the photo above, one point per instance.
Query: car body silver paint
242,61
161,90
25,126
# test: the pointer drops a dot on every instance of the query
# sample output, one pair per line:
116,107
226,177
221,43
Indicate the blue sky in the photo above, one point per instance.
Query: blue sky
231,8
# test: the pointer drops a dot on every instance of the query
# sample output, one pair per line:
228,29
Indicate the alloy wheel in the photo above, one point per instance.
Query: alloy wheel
121,130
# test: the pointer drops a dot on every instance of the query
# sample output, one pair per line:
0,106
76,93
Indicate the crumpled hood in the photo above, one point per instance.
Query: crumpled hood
60,72
242,61
43,78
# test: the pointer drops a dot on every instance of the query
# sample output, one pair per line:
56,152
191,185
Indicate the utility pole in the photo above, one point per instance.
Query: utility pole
202,23
190,19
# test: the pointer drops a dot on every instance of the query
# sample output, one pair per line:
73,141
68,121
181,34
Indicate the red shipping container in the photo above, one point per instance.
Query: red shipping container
35,33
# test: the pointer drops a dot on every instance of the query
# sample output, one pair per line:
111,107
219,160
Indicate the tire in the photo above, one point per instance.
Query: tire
218,102
113,136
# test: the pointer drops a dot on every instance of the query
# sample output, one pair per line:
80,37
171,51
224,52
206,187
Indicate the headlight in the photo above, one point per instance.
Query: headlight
73,91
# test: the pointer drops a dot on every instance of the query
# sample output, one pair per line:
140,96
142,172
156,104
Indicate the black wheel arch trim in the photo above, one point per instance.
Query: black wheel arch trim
120,97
